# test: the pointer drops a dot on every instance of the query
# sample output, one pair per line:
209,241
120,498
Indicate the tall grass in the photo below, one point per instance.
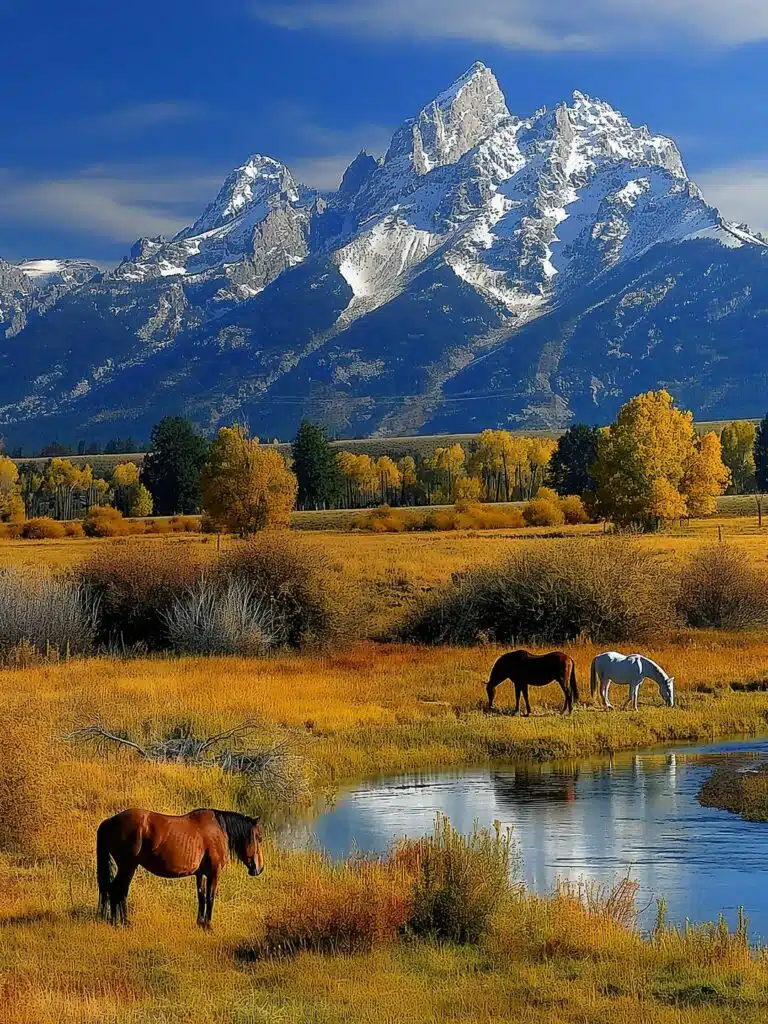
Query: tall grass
229,619
554,592
459,881
45,615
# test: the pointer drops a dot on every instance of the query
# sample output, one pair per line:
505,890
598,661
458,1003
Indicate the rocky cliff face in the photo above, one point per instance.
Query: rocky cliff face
490,269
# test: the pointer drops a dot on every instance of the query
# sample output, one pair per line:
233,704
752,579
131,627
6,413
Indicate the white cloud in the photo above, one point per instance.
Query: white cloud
546,25
740,192
118,204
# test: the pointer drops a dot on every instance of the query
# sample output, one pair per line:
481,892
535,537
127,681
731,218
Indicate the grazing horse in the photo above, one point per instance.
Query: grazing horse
631,670
171,846
524,670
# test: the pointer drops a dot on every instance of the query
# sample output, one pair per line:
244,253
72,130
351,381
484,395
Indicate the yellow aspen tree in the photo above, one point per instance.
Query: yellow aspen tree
246,487
706,476
738,453
11,501
390,477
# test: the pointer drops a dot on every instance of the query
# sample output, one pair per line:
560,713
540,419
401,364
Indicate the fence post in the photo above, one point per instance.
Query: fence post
720,534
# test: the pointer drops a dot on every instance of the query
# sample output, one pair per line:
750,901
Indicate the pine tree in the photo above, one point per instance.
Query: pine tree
171,469
321,482
572,461
761,455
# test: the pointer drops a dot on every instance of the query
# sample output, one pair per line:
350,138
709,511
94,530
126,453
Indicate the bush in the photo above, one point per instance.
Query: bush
460,880
488,517
42,528
552,591
382,520
44,614
136,582
184,524
337,908
104,521
573,510
719,589
543,512
309,602
221,620
74,529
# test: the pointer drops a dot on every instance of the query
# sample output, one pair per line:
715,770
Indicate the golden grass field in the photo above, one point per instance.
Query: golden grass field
375,708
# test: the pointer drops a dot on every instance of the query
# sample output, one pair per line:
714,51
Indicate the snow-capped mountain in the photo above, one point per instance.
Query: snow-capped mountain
445,283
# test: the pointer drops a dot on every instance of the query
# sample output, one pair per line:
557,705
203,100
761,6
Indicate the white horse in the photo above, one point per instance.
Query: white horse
631,670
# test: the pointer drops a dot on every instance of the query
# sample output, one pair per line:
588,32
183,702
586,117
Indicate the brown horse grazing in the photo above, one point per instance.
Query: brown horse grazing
198,843
524,670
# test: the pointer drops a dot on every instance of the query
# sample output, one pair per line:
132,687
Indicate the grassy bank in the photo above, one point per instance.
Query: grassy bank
741,792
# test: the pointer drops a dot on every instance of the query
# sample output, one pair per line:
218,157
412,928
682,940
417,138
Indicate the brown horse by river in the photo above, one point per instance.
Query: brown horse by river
198,843
524,670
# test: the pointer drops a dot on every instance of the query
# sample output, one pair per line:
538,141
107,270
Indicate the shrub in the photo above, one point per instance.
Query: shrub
74,528
184,524
460,880
552,591
543,512
42,528
440,519
104,521
309,602
719,589
136,583
337,908
573,510
488,517
383,519
46,614
221,620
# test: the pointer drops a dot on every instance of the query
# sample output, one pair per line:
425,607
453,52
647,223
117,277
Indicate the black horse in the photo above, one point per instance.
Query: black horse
524,670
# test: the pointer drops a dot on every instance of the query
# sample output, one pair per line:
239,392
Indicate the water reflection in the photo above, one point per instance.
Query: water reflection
591,819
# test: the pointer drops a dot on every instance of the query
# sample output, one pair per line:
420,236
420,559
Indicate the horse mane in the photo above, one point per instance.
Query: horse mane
237,827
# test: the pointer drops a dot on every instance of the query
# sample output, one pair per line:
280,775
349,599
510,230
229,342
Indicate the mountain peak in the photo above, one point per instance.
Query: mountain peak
254,181
453,123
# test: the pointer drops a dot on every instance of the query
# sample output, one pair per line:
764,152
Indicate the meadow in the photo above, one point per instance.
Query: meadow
356,710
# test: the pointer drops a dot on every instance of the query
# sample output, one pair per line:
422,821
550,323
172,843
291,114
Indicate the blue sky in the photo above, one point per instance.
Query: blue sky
121,120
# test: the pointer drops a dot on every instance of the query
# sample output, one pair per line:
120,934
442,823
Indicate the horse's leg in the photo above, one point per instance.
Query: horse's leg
605,690
518,691
213,885
636,693
527,702
201,897
120,887
567,692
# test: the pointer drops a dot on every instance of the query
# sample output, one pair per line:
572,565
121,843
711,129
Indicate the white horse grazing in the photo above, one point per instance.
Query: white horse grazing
631,670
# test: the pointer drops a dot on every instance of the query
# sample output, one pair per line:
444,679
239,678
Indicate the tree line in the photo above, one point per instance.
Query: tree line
648,466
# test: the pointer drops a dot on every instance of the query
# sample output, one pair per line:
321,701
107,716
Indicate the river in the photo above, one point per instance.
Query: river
593,819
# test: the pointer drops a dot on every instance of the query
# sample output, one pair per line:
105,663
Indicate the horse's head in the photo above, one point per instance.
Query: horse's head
251,853
668,691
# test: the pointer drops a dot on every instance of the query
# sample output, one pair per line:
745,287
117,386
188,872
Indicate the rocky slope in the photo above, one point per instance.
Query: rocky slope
490,269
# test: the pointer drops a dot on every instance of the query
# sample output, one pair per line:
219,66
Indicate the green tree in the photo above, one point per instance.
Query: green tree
571,463
141,505
738,443
761,455
171,469
246,487
320,481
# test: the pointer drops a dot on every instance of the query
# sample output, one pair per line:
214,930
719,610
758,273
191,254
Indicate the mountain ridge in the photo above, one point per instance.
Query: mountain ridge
374,307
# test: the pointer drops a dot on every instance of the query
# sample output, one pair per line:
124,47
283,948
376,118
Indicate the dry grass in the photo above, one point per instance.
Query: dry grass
741,792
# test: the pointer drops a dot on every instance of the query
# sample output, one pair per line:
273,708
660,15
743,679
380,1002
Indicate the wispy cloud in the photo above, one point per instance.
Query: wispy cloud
118,204
740,192
140,117
531,24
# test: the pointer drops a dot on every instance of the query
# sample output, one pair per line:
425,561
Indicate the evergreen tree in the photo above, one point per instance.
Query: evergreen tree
171,469
570,465
321,482
761,455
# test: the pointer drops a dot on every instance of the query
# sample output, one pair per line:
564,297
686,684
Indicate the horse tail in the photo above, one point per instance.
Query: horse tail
593,678
103,868
574,684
